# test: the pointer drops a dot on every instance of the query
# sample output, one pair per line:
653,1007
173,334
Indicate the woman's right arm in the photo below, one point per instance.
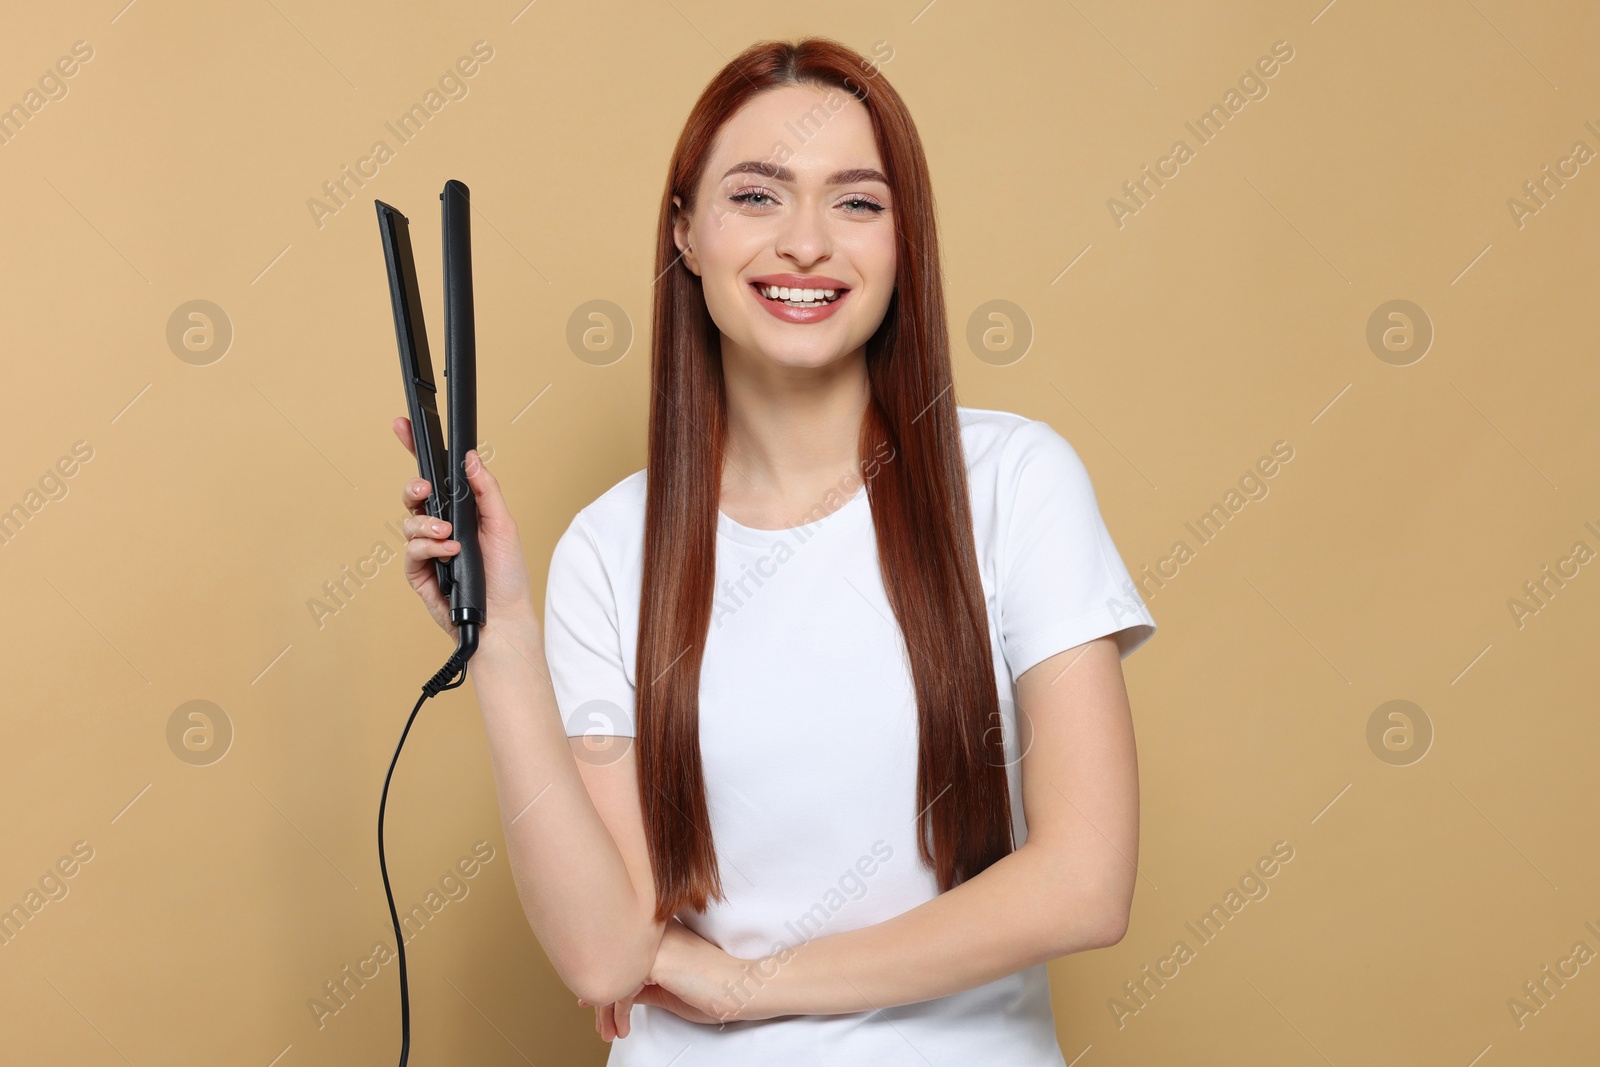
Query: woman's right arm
573,827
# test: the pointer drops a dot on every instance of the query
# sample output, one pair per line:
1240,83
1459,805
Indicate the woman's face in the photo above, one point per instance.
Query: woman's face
793,197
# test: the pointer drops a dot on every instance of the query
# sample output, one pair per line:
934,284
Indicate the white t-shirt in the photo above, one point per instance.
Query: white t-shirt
808,732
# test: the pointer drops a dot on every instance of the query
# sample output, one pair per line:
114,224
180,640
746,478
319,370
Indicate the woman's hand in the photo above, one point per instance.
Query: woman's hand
508,598
614,1020
690,978
703,976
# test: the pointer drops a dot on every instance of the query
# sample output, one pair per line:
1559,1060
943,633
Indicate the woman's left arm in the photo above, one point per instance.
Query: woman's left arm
1067,888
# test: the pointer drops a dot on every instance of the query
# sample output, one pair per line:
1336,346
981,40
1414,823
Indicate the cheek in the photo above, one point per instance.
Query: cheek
726,254
721,258
875,260
721,254
873,255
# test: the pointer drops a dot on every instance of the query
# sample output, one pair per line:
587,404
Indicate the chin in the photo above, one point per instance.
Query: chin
811,352
800,358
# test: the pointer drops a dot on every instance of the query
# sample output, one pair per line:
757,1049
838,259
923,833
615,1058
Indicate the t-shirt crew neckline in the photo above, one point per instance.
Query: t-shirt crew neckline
750,535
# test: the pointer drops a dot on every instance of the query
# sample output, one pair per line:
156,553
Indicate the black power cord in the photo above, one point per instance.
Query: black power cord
466,645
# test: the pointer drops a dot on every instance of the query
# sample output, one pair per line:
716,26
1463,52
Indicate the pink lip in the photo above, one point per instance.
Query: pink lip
779,310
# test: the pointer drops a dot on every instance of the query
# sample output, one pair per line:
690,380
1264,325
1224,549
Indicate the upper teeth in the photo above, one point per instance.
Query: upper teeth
780,292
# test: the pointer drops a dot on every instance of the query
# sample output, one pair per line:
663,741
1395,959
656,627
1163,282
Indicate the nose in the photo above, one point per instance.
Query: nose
803,237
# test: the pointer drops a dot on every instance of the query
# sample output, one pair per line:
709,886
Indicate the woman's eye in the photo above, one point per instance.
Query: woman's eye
873,205
857,205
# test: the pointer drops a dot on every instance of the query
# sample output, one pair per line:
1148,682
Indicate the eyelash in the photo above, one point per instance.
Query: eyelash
745,198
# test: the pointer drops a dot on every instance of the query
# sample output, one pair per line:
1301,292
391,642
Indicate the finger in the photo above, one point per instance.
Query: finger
419,549
425,526
414,494
486,487
402,429
624,1010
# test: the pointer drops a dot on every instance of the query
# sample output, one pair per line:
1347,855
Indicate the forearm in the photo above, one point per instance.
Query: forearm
1022,910
574,885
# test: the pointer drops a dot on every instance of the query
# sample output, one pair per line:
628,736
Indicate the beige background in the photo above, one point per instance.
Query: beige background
1229,312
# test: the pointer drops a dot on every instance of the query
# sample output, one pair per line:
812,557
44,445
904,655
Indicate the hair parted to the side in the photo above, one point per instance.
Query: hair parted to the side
919,499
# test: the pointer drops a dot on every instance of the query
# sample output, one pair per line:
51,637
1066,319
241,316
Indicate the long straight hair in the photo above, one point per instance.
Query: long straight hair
919,499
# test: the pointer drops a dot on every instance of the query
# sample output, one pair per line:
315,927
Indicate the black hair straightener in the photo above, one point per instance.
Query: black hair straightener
450,499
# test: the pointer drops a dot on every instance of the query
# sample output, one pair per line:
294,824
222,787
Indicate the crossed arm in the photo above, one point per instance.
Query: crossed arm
1067,888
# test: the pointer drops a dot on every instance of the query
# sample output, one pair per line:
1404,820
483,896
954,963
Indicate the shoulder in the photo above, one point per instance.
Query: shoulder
984,428
617,509
609,529
999,445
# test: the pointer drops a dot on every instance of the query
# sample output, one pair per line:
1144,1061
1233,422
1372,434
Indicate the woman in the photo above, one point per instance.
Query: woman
797,817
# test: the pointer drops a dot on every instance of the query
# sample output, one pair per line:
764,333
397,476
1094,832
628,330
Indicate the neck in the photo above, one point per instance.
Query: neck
792,432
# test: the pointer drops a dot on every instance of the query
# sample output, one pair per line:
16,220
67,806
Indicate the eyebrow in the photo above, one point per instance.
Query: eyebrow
780,173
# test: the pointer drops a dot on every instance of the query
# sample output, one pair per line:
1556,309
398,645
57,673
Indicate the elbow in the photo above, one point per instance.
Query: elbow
1109,926
600,959
1092,925
602,988
609,978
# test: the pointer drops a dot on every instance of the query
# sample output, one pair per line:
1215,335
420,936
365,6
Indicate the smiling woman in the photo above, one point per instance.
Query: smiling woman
869,700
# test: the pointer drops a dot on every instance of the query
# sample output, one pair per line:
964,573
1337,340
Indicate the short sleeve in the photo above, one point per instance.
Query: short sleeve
582,639
1062,581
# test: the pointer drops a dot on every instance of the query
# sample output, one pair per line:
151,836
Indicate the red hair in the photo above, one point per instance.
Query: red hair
921,509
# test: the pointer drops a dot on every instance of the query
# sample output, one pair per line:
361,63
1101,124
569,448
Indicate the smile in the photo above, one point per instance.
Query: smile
798,305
